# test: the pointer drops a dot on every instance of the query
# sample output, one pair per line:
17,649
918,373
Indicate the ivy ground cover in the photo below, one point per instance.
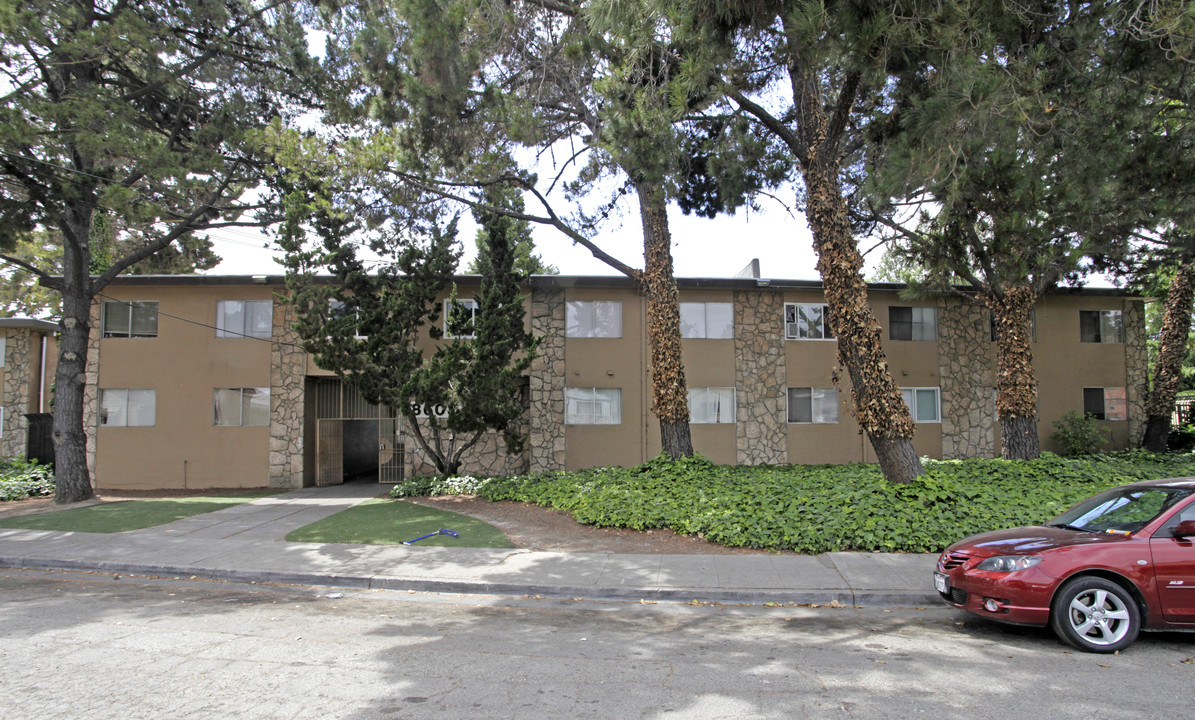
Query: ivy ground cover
823,508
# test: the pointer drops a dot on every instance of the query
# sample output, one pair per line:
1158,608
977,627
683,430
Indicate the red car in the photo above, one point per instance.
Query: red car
1114,564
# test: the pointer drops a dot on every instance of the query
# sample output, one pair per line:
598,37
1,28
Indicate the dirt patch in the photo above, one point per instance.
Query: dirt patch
539,528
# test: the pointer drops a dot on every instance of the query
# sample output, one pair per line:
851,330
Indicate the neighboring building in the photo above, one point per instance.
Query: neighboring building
198,381
28,358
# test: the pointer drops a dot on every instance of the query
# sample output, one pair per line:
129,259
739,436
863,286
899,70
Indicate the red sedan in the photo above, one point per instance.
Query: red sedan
1114,564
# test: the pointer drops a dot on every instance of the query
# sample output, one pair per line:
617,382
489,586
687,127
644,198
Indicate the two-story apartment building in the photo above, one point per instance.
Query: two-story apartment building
198,381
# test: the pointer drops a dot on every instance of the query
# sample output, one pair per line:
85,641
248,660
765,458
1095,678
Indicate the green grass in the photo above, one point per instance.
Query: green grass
128,515
391,522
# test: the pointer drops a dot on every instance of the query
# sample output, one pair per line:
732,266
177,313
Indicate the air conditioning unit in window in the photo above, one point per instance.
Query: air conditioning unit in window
790,331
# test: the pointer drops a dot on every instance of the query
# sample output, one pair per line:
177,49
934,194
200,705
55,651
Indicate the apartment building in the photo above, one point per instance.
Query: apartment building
28,358
199,382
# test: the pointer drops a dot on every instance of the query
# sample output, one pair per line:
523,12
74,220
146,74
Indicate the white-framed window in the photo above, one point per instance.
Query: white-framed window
1032,324
916,324
924,404
592,406
1106,403
134,319
244,318
469,308
1101,326
807,321
812,405
711,320
3,348
128,407
1,421
248,406
712,405
593,319
337,310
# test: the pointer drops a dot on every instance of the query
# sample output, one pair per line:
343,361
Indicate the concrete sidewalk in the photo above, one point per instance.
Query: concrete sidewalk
244,543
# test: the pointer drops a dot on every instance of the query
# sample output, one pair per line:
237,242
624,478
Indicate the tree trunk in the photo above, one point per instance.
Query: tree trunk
670,393
1172,349
878,403
72,480
1016,381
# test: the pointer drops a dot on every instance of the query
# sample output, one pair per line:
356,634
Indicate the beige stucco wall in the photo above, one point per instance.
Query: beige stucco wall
184,363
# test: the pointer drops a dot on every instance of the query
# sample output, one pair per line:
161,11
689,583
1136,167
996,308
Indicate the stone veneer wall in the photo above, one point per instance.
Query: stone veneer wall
288,370
546,439
761,431
966,359
1136,363
485,459
91,392
14,396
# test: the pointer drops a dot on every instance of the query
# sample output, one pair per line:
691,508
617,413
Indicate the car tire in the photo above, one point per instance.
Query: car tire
1095,615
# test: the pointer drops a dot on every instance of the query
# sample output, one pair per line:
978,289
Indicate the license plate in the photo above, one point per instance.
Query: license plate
941,583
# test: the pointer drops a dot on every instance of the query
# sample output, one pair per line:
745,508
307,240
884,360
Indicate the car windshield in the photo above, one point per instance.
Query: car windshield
1121,511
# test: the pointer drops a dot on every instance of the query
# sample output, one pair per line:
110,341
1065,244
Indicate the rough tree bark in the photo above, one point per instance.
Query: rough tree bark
670,401
1016,381
1172,348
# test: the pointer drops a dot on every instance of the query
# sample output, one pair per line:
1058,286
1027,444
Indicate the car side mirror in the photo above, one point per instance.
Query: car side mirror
1185,529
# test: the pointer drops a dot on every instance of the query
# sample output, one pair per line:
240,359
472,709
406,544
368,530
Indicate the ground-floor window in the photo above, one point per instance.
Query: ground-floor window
1106,403
128,407
241,406
812,405
592,406
923,404
711,405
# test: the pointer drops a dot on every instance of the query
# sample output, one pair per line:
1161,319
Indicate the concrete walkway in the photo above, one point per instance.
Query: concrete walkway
244,543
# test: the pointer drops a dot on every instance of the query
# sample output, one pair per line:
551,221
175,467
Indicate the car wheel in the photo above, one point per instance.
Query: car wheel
1095,615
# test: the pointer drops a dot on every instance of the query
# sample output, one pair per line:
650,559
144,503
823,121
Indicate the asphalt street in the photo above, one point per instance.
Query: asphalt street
89,645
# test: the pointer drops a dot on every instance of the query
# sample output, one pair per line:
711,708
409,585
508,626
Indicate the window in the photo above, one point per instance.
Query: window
812,405
713,320
120,407
1101,326
923,404
912,323
587,319
1032,325
3,348
241,406
1110,403
592,406
711,405
338,311
244,318
807,322
468,316
130,319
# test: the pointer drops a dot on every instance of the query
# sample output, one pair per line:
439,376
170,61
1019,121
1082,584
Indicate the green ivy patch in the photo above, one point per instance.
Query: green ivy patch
824,508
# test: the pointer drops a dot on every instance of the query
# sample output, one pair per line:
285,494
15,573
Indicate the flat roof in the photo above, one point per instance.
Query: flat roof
589,281
44,325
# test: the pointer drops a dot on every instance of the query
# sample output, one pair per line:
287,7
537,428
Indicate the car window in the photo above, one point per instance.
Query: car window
1121,511
1187,513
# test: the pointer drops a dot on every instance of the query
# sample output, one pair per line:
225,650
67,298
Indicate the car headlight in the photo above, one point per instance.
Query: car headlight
1008,563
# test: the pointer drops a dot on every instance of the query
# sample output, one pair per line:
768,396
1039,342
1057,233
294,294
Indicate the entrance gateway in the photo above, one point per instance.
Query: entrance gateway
355,439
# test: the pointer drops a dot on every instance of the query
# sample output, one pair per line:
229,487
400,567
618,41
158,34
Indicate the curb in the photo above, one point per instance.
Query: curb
849,597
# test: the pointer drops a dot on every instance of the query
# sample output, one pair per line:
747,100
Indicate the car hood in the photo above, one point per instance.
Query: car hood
1029,541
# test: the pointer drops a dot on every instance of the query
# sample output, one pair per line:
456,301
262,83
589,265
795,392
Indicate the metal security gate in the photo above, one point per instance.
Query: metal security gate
330,460
390,450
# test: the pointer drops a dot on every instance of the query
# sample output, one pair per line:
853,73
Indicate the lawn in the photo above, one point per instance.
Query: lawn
116,517
391,522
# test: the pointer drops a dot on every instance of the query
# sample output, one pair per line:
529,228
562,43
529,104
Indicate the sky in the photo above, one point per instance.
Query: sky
701,247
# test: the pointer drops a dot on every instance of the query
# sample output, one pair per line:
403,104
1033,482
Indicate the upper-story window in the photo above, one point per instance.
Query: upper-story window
593,319
244,318
3,348
912,323
468,310
130,319
713,320
805,321
1101,326
337,310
